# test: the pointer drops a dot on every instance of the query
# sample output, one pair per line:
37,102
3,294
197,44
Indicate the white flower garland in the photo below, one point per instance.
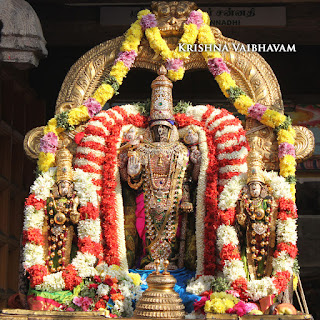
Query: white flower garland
34,254
286,232
199,285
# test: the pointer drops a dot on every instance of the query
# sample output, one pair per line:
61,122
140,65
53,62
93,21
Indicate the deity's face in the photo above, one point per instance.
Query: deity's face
65,188
191,137
131,134
160,133
255,189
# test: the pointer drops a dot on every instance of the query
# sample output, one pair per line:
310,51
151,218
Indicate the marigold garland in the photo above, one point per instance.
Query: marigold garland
197,27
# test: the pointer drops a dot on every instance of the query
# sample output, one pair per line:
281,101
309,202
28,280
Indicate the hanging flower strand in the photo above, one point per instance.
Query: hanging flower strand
197,27
245,105
69,119
174,58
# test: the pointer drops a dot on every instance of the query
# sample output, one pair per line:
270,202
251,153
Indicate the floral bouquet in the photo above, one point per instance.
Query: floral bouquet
111,290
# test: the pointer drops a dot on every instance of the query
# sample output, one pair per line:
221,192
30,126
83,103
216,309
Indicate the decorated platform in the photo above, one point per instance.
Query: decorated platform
18,314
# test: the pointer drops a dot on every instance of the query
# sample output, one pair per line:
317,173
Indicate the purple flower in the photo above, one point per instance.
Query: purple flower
286,148
127,57
49,143
195,17
93,106
256,111
148,21
174,64
217,66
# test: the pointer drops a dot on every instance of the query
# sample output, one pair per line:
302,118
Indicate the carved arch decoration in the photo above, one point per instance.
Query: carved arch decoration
251,72
249,69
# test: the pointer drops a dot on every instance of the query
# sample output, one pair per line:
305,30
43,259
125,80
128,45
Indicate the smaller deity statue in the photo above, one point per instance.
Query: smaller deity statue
62,213
256,224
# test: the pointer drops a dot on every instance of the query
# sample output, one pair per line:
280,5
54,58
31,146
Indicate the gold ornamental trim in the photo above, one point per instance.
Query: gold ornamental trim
304,143
31,143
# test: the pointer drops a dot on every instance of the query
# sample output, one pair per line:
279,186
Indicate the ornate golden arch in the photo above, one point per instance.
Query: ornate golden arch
251,72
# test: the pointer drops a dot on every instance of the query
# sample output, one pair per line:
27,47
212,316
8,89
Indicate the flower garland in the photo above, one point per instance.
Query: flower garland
286,239
174,59
245,106
88,234
196,27
104,132
97,155
68,119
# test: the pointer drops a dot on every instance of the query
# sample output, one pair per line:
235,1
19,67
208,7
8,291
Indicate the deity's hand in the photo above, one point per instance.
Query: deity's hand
134,166
195,156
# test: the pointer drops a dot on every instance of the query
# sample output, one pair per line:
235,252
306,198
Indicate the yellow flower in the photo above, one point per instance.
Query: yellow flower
272,118
135,278
52,127
176,75
190,34
211,55
205,17
142,13
119,71
287,166
157,43
131,42
225,81
78,115
286,135
218,306
207,306
205,35
243,103
103,93
46,161
229,304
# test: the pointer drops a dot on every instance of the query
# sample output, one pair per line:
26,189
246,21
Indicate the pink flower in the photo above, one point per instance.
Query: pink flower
93,106
217,66
148,21
286,148
83,302
256,111
234,293
49,143
251,306
69,309
77,301
127,57
174,64
242,308
239,309
195,17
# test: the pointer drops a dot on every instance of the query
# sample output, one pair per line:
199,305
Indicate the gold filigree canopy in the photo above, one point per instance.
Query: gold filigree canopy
250,71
